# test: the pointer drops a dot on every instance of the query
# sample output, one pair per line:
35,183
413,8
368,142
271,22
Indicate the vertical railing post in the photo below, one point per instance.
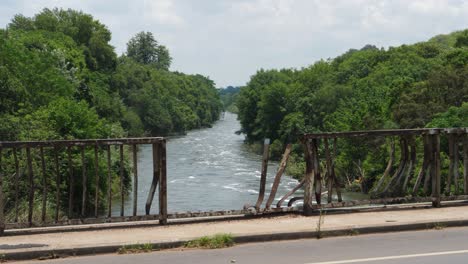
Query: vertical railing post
156,174
435,168
84,178
135,178
335,178
96,179
317,175
31,186
261,193
122,194
163,184
57,184
456,174
450,176
465,162
308,180
2,207
109,182
279,173
329,171
17,173
44,186
70,183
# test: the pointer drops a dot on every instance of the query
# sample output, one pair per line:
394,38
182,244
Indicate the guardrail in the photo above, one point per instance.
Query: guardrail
394,184
397,184
49,169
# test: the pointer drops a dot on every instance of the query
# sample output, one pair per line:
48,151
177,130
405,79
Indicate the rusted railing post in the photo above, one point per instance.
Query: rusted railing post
44,187
70,183
84,178
96,179
163,184
308,179
279,173
57,184
261,193
122,194
2,213
17,175
465,163
135,178
317,174
435,138
31,186
156,174
329,171
335,178
109,182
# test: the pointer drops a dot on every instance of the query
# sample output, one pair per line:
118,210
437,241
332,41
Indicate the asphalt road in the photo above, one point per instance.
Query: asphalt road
449,245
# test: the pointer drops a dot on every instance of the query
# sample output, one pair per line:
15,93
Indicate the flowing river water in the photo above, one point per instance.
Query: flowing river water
208,169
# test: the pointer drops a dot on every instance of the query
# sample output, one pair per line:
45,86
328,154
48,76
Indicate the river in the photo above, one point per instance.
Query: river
209,169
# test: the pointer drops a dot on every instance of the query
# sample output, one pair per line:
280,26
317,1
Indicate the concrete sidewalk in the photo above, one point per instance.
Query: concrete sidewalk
248,230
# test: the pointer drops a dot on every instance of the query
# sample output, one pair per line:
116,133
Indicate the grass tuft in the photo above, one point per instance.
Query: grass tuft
138,248
216,241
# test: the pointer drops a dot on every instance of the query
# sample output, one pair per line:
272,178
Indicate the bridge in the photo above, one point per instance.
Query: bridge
54,177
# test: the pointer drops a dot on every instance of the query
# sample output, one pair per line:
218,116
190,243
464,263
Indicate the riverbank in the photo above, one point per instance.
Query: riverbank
247,230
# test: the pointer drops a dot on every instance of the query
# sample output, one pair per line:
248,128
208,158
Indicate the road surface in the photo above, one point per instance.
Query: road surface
448,245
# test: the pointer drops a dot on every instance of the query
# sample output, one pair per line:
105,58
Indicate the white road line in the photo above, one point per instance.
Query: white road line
392,257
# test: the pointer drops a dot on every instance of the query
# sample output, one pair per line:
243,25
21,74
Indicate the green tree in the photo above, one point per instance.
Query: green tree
88,33
144,48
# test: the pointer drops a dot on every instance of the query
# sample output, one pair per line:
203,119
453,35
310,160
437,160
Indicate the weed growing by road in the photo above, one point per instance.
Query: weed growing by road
138,248
216,241
353,232
439,226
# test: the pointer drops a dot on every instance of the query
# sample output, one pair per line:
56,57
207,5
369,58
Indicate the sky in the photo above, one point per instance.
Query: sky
229,40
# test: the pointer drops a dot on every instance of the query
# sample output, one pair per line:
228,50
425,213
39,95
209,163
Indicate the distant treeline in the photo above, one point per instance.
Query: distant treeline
228,97
60,78
410,86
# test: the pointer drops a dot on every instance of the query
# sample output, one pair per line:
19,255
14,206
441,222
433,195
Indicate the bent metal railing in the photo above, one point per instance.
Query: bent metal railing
76,179
394,183
397,184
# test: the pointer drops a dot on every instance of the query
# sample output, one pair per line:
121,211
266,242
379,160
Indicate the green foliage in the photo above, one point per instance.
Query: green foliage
462,39
211,242
137,248
62,59
89,34
409,86
66,119
165,102
61,79
229,96
144,48
453,117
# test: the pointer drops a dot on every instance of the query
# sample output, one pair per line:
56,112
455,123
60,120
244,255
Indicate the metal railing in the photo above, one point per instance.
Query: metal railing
76,179
398,179
398,183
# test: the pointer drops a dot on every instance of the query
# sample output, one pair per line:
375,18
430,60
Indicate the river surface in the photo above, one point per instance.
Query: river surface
208,169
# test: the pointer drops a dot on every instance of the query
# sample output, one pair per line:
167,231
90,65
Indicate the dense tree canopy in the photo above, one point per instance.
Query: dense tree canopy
409,86
62,59
61,79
